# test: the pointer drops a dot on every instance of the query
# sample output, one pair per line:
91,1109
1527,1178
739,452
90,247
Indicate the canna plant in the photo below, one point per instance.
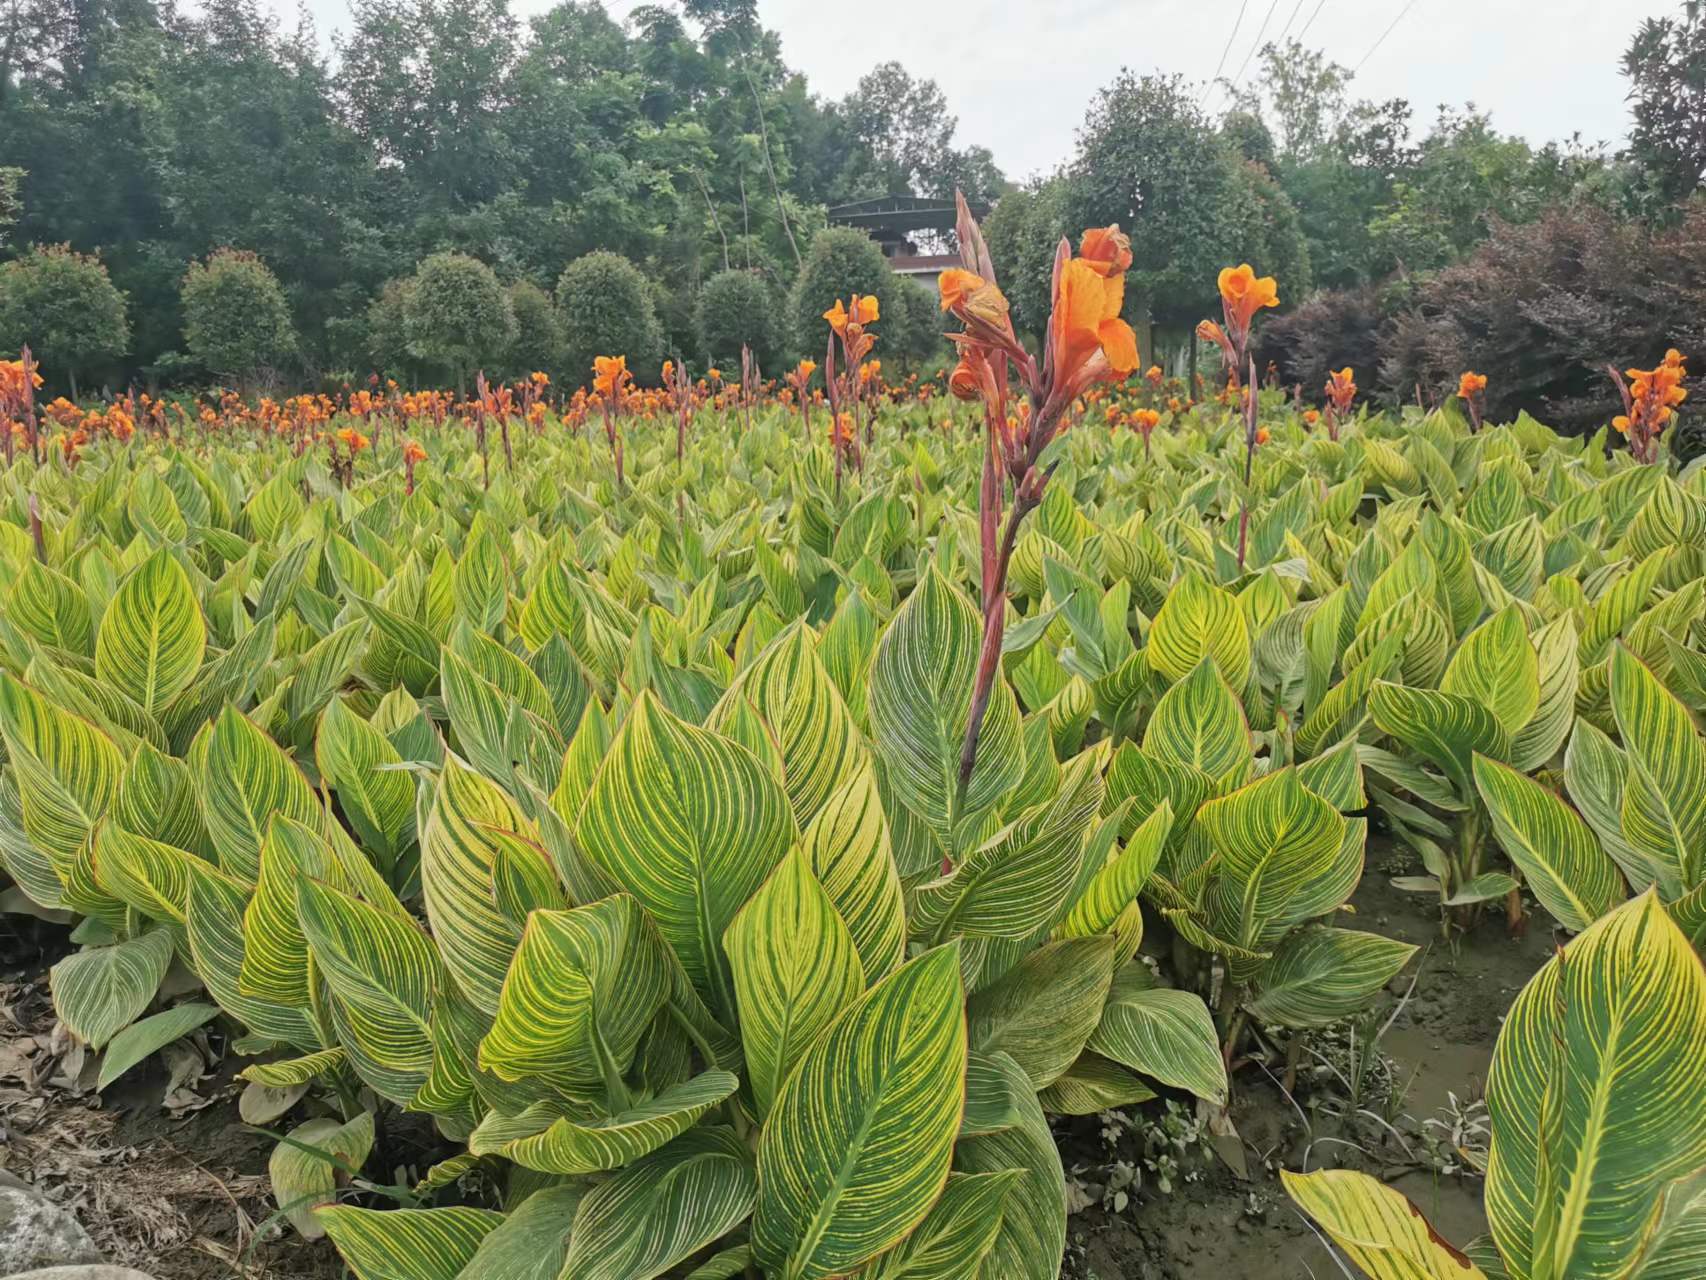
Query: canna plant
1597,1094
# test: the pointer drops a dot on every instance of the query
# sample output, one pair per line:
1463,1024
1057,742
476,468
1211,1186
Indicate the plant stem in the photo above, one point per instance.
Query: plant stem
989,660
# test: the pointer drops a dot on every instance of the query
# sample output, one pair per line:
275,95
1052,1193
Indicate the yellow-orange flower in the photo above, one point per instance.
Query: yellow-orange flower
1262,436
353,440
1311,417
1245,293
805,370
1471,385
1145,419
1341,388
668,370
1153,375
1107,250
1088,340
842,430
864,310
414,451
609,372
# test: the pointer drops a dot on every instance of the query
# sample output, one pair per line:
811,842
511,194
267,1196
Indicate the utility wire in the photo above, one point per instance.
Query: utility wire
1221,65
1256,44
1389,30
1316,14
1295,10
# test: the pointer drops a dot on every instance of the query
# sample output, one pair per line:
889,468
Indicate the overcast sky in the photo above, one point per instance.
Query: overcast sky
1544,68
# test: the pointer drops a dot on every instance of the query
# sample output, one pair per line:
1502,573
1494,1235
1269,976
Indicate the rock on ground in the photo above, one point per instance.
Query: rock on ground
36,1233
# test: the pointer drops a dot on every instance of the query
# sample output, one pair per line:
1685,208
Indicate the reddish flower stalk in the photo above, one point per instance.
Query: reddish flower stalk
1087,343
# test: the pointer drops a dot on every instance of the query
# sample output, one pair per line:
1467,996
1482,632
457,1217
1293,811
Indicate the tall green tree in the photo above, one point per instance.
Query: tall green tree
237,324
1665,65
66,308
456,316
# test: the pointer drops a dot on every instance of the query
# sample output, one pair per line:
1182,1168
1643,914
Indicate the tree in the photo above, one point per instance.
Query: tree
457,316
842,261
236,322
903,141
915,332
1151,161
63,305
1022,232
736,308
387,333
10,181
1665,65
538,344
606,310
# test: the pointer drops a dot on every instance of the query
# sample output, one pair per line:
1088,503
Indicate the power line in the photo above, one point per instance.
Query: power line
1322,5
1220,66
1253,47
1295,10
1389,30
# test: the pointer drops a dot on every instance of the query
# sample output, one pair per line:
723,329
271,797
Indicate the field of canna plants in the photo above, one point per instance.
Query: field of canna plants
750,826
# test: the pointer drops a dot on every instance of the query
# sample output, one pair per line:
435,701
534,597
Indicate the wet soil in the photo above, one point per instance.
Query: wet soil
1218,1223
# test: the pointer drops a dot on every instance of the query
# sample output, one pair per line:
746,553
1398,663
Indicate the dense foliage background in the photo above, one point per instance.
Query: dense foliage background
149,137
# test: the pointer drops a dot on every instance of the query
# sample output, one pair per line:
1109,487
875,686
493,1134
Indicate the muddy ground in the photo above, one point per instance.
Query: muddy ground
167,1178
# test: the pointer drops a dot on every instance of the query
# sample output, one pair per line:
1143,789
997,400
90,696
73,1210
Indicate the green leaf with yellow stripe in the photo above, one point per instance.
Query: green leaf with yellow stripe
1377,1227
1549,843
152,636
691,824
381,972
858,1145
407,1244
795,970
1597,1095
920,693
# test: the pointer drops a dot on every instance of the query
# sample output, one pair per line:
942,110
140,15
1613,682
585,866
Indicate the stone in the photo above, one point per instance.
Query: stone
94,1271
36,1233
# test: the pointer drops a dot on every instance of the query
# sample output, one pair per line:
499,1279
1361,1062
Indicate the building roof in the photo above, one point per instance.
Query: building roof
899,213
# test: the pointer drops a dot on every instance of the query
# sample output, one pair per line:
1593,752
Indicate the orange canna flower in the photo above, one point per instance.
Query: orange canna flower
1153,375
842,430
1471,385
1244,293
1088,342
1341,388
714,374
1311,417
609,373
668,370
806,369
1106,249
1145,419
1262,436
864,310
972,298
414,451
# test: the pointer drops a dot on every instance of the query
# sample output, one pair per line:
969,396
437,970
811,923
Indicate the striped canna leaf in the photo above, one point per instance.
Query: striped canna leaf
580,993
407,1244
152,635
819,745
690,824
857,1148
1597,1095
1664,807
664,1208
920,694
381,972
795,969
1558,856
1379,1230
101,990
